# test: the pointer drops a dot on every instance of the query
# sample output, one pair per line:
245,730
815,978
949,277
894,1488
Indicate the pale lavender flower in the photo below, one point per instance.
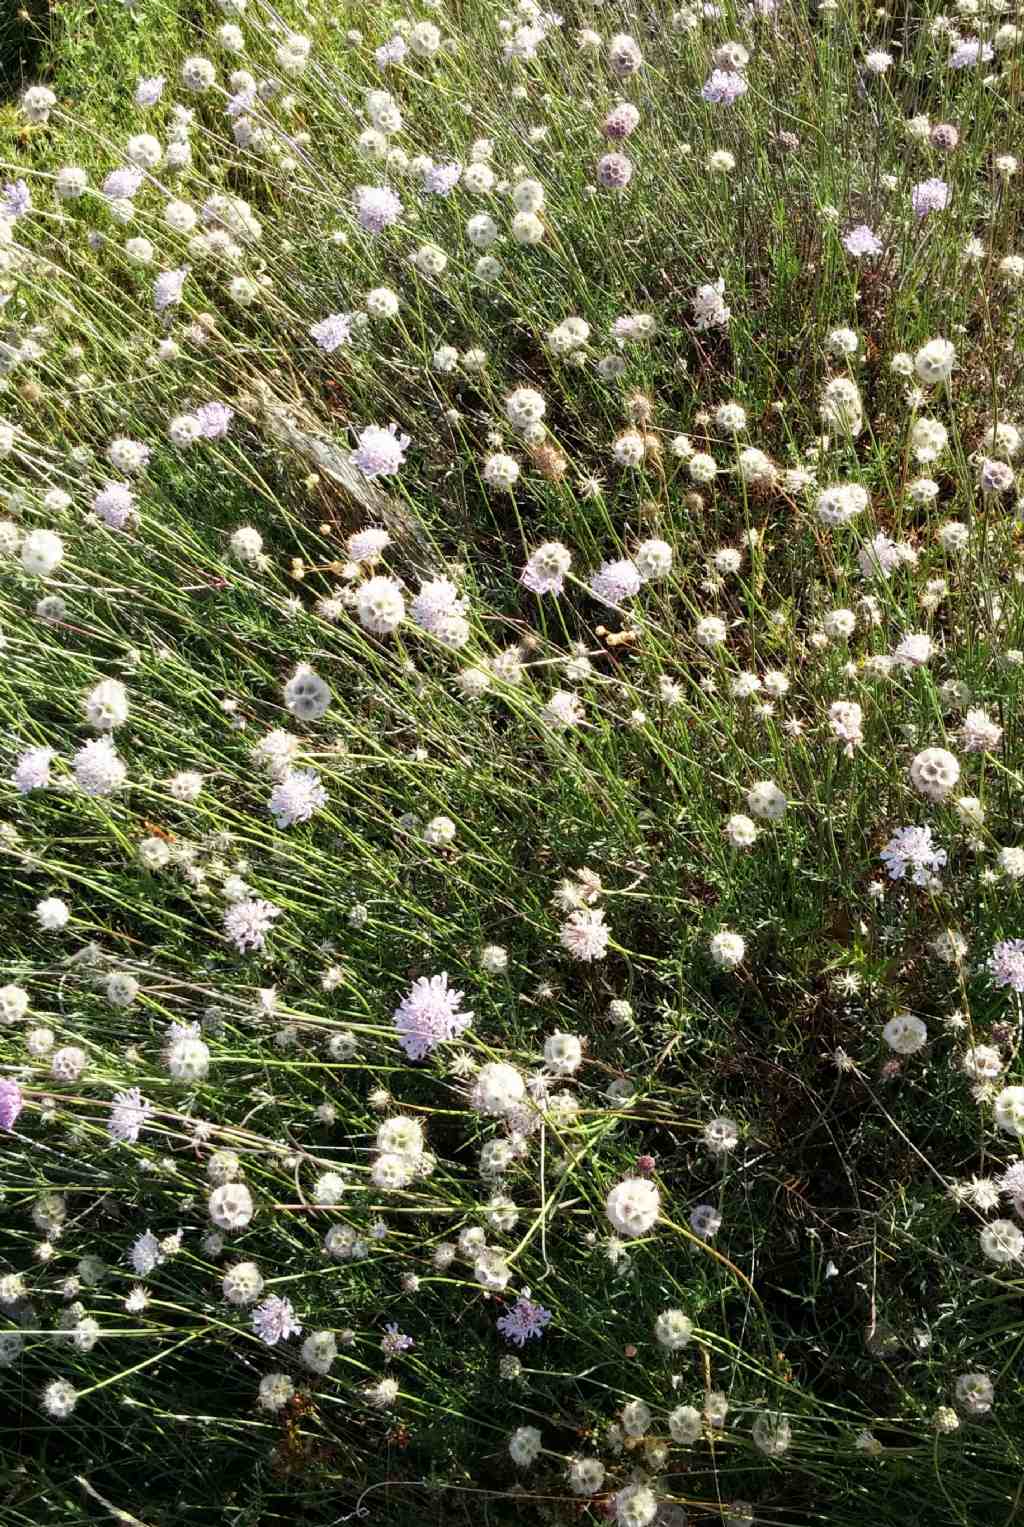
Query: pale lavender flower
395,1341
332,332
149,90
443,178
379,452
862,241
167,288
391,52
114,504
929,196
123,184
274,1320
11,1102
968,52
723,87
296,796
98,769
614,172
615,581
32,771
241,102
367,545
17,200
1006,964
546,568
1012,1184
145,1254
437,599
248,921
215,419
705,1221
429,1013
524,1321
128,1114
911,848
980,733
377,208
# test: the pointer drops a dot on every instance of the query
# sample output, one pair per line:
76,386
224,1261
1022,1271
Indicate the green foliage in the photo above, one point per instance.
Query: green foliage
845,1287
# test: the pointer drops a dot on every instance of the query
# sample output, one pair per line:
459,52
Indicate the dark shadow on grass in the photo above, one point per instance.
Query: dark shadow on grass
24,29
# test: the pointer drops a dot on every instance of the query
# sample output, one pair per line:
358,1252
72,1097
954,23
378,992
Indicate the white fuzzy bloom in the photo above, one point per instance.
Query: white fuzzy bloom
934,361
524,1446
741,831
106,706
563,1053
673,1330
905,1034
727,949
766,800
498,1089
934,772
230,1206
1002,1242
42,551
306,695
633,1206
635,1506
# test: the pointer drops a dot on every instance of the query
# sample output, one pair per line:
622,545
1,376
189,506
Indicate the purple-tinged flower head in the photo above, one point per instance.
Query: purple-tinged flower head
705,1221
377,208
114,504
248,921
614,172
297,795
437,600
945,136
929,196
430,1013
862,241
1006,964
615,581
98,769
332,332
32,770
723,87
524,1321
911,849
274,1320
394,1341
442,179
391,52
17,200
379,452
622,121
367,545
167,288
145,1254
128,1113
545,571
215,419
149,89
11,1102
123,184
969,51
241,102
